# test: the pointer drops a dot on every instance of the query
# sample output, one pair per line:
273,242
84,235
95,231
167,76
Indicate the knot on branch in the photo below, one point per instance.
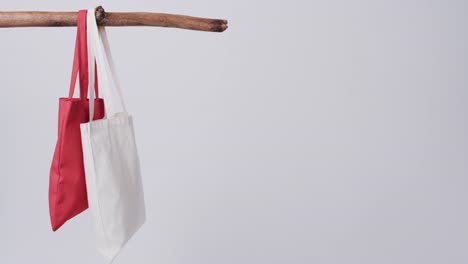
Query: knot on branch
100,15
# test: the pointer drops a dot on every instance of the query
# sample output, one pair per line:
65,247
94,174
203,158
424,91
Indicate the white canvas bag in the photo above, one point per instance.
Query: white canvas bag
112,169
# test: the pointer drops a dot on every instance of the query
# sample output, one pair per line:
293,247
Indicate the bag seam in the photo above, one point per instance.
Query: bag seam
62,124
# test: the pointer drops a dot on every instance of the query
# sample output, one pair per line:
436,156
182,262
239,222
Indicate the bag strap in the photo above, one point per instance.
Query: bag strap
113,74
80,60
99,49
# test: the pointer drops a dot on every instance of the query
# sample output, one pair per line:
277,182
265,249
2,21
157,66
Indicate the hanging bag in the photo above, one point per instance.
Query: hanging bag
67,187
113,180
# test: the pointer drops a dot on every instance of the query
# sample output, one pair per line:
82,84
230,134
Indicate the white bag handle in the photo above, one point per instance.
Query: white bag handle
98,48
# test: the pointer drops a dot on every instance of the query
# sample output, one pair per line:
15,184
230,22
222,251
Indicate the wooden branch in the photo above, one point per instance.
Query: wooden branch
68,19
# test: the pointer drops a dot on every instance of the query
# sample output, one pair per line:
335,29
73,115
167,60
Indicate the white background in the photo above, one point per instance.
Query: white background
325,132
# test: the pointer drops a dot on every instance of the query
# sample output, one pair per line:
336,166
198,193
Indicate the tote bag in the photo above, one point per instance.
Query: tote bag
113,180
67,188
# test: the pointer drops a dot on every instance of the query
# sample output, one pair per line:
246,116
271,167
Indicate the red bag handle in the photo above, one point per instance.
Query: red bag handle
80,60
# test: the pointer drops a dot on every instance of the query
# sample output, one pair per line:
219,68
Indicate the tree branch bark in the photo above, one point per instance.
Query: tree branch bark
68,19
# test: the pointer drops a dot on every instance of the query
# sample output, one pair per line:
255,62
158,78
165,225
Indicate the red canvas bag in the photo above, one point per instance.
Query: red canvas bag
67,186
